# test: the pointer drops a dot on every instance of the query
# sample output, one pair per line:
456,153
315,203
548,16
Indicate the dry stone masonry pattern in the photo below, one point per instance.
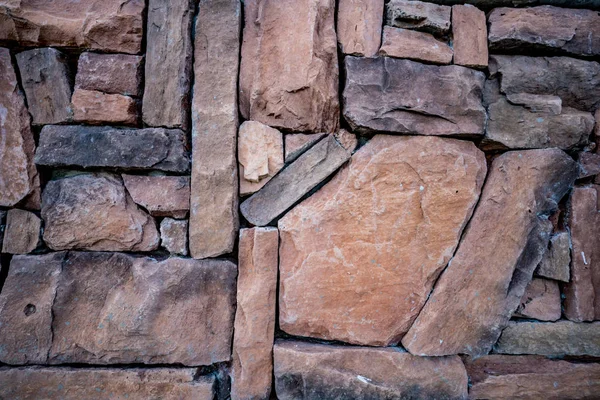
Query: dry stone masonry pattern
299,199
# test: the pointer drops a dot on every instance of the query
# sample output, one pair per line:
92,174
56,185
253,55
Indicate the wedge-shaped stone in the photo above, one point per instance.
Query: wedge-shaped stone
545,28
419,46
402,96
360,256
418,15
296,180
162,196
557,259
486,278
319,372
589,163
298,143
540,301
94,108
359,26
110,73
22,234
105,146
289,67
469,36
107,25
33,383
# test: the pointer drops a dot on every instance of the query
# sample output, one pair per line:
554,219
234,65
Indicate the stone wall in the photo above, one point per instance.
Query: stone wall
299,199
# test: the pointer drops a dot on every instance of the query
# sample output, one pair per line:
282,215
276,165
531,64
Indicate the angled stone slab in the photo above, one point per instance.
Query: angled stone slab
557,259
298,143
414,45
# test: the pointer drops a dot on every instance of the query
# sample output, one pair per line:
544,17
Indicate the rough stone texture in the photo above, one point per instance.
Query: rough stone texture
298,143
93,107
555,339
22,234
419,46
94,212
174,235
531,377
289,67
252,365
541,301
418,15
162,196
556,261
214,201
46,78
314,372
469,36
402,96
589,164
18,175
359,257
105,146
537,102
488,4
486,278
2,227
359,26
347,140
107,25
110,73
296,180
169,57
260,155
582,294
545,28
576,82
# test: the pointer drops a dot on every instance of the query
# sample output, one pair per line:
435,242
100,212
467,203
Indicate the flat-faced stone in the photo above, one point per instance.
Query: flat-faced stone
107,25
418,15
32,383
589,164
537,102
169,54
22,233
289,67
359,26
294,181
540,301
485,280
94,107
298,143
359,257
403,96
162,196
174,235
315,371
46,79
414,45
214,187
545,28
556,261
105,146
110,73
252,365
469,36
94,212
555,339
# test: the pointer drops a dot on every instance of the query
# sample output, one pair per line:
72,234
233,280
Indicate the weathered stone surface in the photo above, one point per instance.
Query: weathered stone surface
419,46
576,82
26,308
469,36
260,155
18,175
162,196
359,26
314,372
46,80
296,180
359,257
418,15
541,301
556,261
489,4
93,107
174,235
252,366
537,102
289,67
107,25
298,143
2,226
214,200
32,383
556,339
110,73
169,57
486,278
105,146
402,96
346,139
545,28
589,164
22,234
582,294
94,212
531,377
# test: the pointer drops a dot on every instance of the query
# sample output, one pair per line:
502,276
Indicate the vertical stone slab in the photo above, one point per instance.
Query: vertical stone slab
359,26
469,31
214,187
255,316
22,233
168,63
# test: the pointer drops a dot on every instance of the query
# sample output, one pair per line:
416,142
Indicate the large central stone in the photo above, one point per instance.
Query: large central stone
359,258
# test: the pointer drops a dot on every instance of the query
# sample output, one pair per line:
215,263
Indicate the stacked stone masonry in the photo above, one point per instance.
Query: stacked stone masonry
299,199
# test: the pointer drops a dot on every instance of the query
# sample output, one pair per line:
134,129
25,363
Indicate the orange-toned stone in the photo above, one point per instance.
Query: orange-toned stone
414,45
93,107
541,301
359,26
469,36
